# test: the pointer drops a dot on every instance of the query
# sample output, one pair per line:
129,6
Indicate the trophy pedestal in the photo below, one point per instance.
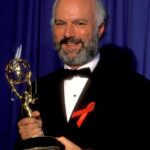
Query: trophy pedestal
41,143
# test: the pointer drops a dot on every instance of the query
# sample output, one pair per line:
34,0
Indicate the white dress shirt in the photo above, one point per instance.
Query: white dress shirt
74,86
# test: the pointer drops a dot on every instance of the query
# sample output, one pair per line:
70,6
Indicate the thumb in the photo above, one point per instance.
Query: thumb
68,144
35,114
63,140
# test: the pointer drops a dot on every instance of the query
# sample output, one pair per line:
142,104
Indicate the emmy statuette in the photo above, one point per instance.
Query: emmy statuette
18,73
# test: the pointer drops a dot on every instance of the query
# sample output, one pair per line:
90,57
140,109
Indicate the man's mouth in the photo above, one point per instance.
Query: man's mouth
70,41
71,46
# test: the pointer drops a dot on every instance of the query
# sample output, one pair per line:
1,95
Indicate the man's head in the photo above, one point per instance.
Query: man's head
77,25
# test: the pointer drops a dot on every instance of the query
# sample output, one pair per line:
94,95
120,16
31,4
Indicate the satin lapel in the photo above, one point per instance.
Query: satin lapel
59,94
62,101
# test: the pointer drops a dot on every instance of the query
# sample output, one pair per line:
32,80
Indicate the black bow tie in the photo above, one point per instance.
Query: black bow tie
69,73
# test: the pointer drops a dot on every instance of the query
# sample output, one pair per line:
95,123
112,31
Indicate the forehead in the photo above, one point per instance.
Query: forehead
74,9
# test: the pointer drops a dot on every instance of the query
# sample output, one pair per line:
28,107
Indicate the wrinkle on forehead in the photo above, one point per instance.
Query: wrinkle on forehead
70,8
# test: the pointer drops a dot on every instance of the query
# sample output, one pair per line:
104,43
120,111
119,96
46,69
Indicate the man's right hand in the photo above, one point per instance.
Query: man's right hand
31,127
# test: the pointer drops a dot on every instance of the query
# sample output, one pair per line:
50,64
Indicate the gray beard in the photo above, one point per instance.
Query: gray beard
85,54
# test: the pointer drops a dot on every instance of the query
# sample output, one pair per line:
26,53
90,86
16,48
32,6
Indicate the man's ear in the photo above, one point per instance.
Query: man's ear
101,30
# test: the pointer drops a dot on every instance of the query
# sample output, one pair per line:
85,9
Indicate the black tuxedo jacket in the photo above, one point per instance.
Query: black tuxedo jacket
119,117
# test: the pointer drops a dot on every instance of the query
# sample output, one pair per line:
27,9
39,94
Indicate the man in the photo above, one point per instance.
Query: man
96,111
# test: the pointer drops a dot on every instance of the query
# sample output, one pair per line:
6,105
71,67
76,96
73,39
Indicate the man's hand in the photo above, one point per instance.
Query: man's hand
68,144
30,127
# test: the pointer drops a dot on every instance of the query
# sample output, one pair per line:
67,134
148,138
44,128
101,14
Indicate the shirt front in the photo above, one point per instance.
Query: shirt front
74,86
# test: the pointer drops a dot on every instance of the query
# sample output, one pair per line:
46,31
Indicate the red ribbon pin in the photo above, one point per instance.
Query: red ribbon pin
83,113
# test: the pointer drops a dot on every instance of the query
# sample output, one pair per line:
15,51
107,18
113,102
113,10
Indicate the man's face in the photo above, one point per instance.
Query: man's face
74,31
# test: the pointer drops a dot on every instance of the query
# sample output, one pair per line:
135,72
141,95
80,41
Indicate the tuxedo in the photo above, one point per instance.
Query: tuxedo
117,118
119,115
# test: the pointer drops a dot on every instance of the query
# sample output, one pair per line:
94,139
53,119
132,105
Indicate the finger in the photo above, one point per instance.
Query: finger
29,127
29,124
36,114
40,122
26,121
68,144
29,120
63,140
34,133
31,130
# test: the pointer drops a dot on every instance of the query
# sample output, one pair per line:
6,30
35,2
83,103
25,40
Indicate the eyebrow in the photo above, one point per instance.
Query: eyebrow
76,20
81,20
58,20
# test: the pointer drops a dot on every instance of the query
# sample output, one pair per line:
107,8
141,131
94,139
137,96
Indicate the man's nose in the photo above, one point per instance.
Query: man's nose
69,31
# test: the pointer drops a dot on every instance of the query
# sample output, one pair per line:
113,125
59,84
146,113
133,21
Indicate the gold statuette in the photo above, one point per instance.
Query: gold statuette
18,73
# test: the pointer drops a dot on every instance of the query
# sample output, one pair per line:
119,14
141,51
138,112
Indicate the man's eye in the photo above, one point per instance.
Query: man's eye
59,23
80,24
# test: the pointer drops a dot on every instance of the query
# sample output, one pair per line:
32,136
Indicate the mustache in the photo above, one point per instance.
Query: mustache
70,40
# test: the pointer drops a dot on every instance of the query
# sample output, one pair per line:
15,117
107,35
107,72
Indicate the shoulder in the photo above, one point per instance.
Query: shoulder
56,75
139,81
48,80
120,61
116,57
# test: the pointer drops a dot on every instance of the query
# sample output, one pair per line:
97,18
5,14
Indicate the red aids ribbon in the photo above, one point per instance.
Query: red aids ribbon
83,113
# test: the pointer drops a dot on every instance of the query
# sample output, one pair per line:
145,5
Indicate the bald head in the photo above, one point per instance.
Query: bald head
75,9
99,11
